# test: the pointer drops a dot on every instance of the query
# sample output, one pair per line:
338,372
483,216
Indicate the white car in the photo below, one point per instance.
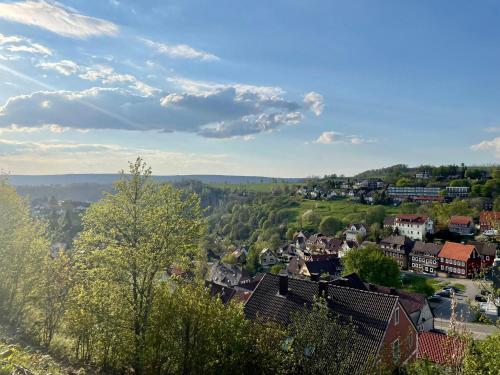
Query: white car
490,232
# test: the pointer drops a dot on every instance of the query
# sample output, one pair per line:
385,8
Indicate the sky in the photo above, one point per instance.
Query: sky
270,88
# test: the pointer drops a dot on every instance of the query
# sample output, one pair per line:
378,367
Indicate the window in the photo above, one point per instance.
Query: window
431,269
396,316
410,341
487,257
395,351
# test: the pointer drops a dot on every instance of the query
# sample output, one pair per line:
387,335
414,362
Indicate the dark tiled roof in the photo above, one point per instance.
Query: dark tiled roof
350,281
411,301
485,248
396,240
224,292
389,220
330,266
426,247
370,312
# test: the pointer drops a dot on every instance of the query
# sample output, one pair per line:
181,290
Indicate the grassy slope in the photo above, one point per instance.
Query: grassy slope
337,208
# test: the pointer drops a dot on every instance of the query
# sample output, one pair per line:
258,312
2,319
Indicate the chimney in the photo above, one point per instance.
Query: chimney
371,287
323,289
392,291
283,284
315,277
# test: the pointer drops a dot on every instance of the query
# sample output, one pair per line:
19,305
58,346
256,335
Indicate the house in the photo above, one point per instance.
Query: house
415,304
415,193
346,247
487,251
267,258
397,247
383,332
459,260
440,348
330,266
389,221
489,221
240,255
300,239
457,191
424,257
462,225
424,175
416,227
226,274
355,232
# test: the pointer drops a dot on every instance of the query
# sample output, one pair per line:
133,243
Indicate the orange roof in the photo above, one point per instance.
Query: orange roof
461,220
457,251
440,348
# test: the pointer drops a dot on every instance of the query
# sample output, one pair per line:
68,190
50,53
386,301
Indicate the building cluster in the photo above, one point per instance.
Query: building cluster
391,326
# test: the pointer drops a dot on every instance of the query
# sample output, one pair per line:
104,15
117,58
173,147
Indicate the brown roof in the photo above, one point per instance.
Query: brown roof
461,220
389,220
413,218
440,348
427,247
411,301
396,240
457,251
485,248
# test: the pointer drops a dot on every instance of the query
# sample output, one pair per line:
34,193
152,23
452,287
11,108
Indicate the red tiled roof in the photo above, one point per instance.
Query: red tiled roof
457,251
440,348
461,220
412,218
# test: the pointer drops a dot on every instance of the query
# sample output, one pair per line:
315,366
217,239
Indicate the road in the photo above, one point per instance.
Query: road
479,331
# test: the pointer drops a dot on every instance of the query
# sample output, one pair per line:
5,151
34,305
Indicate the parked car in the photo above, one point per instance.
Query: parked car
435,298
480,298
444,293
450,288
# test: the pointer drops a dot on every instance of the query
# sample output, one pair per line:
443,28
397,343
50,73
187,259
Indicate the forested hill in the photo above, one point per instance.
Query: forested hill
383,172
106,179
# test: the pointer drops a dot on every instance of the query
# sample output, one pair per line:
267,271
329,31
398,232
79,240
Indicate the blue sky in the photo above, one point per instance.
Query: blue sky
274,88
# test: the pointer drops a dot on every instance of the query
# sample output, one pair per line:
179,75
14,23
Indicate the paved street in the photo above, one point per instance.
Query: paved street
479,331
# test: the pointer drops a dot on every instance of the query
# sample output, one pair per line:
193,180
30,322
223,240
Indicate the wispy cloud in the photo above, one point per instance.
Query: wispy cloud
64,67
492,129
330,137
16,43
492,145
64,157
56,18
182,51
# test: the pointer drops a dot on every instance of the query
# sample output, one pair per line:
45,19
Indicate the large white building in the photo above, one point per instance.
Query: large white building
416,227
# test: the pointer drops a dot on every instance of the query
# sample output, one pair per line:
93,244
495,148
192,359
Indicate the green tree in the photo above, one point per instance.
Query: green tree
375,214
330,225
372,266
482,356
131,237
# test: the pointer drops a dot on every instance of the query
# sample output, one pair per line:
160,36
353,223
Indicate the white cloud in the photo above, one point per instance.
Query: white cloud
493,145
64,157
315,102
16,43
182,51
64,67
492,129
56,18
327,137
330,137
53,128
222,114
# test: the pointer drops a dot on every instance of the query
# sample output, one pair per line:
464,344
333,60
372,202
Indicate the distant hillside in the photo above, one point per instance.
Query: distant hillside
106,179
384,172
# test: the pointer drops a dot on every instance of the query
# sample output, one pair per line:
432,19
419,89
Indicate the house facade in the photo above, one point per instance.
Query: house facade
458,260
489,220
462,225
384,334
424,257
416,227
397,247
355,231
267,258
487,251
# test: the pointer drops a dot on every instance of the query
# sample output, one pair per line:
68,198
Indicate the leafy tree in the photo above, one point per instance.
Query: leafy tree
131,237
311,220
482,356
375,214
372,266
330,225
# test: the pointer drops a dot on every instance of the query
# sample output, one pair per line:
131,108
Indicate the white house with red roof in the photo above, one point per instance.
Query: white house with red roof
463,225
413,226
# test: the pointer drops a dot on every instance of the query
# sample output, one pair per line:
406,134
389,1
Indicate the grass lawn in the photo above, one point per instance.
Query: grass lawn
420,284
341,209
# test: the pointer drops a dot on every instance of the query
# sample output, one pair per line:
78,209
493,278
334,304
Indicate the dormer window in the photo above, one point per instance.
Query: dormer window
396,316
